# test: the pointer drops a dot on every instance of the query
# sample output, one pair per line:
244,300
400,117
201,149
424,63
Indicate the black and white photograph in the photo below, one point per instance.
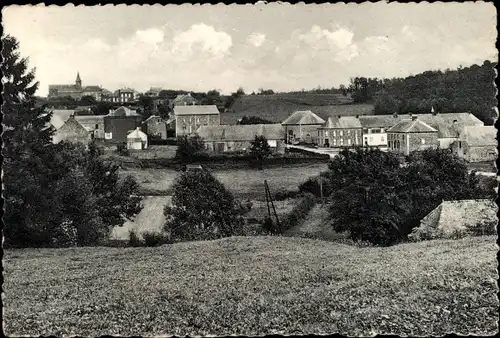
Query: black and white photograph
250,170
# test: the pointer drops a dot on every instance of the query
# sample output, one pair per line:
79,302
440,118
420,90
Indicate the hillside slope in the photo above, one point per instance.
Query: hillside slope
278,107
254,286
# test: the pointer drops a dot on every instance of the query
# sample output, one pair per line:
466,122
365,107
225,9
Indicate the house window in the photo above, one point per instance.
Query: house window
334,141
333,133
326,133
460,144
97,126
341,141
422,140
341,133
349,141
389,144
381,139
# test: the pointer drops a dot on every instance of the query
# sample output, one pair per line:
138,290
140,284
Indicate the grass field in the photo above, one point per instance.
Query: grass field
278,107
254,286
244,183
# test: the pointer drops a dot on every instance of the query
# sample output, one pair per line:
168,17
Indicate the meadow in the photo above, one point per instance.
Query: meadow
254,286
243,183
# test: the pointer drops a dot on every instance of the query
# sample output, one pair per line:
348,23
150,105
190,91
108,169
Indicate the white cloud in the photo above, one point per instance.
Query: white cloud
152,35
256,39
338,42
204,38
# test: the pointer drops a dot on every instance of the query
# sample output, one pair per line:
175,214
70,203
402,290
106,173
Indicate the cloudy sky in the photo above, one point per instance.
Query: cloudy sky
283,47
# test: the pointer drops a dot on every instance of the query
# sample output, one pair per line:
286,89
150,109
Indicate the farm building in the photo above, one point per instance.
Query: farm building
228,138
118,123
189,118
476,144
452,218
411,135
93,123
155,127
137,140
341,131
72,131
184,100
302,126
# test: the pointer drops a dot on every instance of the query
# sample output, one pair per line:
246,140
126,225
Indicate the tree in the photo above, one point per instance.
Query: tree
253,120
102,108
87,101
376,199
28,208
146,103
164,110
260,149
202,208
187,147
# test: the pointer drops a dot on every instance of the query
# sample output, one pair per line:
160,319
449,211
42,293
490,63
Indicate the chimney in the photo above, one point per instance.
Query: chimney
357,116
455,121
413,118
395,115
433,111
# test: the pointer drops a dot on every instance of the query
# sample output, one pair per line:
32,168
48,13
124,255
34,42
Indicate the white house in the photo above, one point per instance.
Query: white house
137,140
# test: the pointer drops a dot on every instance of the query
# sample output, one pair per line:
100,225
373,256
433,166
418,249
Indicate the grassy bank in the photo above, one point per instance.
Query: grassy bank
254,286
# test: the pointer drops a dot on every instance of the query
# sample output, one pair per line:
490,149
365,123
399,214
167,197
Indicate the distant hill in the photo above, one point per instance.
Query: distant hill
278,107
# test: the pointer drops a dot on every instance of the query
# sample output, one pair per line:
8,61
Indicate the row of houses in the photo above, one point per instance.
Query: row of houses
463,133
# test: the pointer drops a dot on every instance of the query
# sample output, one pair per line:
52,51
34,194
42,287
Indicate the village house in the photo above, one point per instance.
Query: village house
137,140
123,95
72,131
155,127
476,144
340,132
183,100
153,92
189,118
452,218
93,123
375,126
118,123
411,135
302,126
59,116
231,138
76,91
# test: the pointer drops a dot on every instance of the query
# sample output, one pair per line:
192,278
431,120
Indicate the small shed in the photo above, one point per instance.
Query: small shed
137,140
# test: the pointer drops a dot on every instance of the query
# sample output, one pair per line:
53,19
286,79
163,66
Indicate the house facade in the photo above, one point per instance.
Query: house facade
93,123
411,135
340,132
155,127
72,131
189,118
118,123
302,126
123,95
476,144
234,138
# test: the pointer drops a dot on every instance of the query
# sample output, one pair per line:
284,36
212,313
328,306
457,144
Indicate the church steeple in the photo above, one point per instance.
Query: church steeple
78,80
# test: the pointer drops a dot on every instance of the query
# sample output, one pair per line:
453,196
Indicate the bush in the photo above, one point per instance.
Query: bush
188,147
299,212
202,208
152,238
312,186
271,226
284,195
134,239
121,149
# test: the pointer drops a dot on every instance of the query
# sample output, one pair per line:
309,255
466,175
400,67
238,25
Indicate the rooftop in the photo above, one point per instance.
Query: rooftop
342,122
196,110
241,132
303,117
411,126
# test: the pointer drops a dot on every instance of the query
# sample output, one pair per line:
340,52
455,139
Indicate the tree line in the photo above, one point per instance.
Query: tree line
470,89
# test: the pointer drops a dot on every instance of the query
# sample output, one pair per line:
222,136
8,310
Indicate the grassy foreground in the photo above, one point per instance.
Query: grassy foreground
253,285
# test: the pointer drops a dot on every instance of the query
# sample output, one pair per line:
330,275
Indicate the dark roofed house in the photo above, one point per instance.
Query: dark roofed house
476,144
302,126
123,111
229,138
189,118
411,135
118,124
341,131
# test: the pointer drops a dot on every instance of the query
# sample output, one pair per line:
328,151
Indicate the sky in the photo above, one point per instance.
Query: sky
271,46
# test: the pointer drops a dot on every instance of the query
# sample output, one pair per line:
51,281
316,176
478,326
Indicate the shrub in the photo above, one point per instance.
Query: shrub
202,208
299,212
152,238
121,149
270,226
283,195
134,239
188,147
312,186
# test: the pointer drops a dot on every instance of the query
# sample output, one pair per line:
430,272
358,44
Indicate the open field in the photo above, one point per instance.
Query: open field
278,107
254,286
244,183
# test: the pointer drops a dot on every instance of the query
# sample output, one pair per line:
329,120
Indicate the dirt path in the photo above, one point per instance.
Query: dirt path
317,225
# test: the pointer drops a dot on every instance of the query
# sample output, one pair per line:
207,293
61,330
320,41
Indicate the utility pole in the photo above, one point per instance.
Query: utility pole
321,188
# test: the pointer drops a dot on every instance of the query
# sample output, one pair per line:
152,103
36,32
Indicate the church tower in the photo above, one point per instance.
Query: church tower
78,81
